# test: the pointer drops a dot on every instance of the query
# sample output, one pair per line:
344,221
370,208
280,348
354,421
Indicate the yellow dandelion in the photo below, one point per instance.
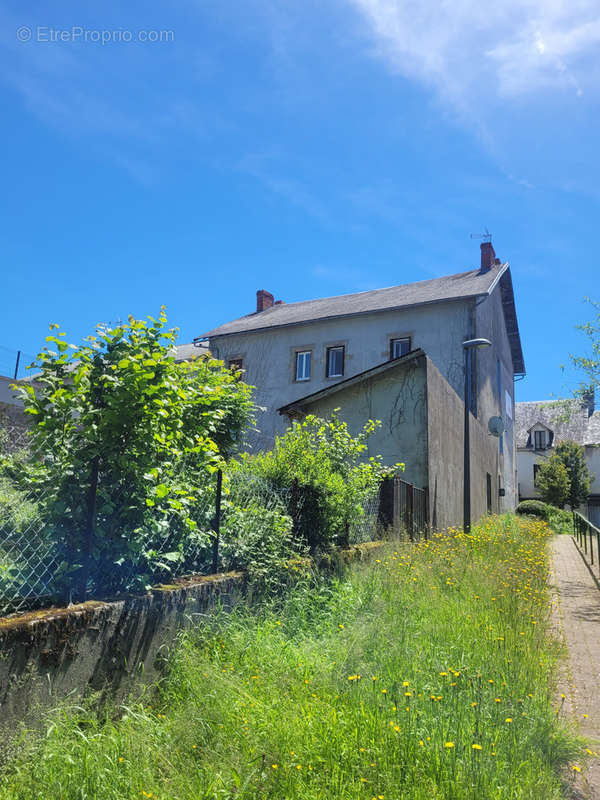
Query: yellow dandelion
576,768
449,745
274,766
475,747
508,719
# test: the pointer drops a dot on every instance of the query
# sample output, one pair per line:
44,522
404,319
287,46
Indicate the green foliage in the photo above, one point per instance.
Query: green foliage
349,689
559,520
535,508
572,456
260,541
553,481
317,463
120,425
589,364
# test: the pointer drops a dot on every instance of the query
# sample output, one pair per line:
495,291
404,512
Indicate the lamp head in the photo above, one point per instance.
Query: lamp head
470,343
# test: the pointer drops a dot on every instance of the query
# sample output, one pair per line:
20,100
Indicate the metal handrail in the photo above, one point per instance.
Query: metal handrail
585,533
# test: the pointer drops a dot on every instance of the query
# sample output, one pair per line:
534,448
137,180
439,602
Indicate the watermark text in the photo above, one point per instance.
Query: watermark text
103,36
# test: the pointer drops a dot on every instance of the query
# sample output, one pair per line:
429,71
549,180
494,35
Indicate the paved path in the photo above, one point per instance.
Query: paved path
577,603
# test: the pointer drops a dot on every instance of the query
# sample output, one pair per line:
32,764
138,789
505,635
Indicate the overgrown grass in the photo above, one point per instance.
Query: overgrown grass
425,674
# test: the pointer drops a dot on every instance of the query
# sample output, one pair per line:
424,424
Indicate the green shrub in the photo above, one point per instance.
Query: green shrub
553,482
260,541
316,467
559,520
125,434
534,508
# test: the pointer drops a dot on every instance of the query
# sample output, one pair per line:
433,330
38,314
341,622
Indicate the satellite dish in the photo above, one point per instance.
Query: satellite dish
496,426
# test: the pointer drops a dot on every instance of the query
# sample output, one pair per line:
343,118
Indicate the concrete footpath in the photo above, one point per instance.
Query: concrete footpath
577,606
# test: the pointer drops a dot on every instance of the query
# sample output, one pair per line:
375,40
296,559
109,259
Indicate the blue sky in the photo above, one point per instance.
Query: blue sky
306,148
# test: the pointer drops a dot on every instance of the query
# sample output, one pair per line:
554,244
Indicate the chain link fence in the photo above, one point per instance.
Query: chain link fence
232,520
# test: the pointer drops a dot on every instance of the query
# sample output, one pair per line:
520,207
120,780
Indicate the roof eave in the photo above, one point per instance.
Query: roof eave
215,335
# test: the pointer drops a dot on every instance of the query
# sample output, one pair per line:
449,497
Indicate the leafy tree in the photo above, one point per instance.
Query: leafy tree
319,468
553,481
572,456
125,443
590,363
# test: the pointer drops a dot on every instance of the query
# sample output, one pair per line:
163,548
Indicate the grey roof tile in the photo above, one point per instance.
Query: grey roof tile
574,424
450,287
188,351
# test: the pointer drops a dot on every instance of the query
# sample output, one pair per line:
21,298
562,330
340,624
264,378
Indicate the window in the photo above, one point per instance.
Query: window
303,360
335,362
235,364
399,347
539,440
536,469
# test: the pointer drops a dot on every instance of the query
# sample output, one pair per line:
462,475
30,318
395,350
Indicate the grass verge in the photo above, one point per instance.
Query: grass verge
426,674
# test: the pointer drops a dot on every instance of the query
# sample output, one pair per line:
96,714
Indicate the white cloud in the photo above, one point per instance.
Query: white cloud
466,48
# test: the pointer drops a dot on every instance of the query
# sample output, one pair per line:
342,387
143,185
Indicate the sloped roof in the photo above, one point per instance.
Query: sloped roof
450,287
296,405
461,286
578,427
189,351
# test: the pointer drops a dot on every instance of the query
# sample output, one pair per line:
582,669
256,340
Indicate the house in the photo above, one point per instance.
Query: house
540,426
13,422
422,422
289,351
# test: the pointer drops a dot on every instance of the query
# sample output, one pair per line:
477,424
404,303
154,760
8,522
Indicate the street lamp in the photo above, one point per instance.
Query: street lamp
469,346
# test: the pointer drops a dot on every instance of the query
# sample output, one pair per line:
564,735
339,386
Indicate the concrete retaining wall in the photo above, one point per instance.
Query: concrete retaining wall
107,648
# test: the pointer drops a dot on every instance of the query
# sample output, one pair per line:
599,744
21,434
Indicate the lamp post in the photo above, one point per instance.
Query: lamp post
469,346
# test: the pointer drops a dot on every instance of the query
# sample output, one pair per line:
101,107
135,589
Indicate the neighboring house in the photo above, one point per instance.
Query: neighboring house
13,423
540,426
289,351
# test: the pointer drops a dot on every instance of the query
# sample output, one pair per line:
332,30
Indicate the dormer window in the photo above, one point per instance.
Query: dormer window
540,440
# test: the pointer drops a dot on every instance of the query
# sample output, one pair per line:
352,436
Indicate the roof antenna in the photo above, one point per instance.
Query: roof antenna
486,236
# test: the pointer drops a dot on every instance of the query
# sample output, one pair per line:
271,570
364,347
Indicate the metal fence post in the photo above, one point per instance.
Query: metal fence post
409,510
90,530
217,523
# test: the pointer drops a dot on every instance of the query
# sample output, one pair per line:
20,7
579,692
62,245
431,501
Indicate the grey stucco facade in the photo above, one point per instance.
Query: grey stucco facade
438,328
422,426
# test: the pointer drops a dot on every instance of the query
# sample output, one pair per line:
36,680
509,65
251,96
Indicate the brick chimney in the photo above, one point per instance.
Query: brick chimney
488,256
264,300
589,401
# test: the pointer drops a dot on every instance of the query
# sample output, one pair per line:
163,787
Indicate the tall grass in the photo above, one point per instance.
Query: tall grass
425,674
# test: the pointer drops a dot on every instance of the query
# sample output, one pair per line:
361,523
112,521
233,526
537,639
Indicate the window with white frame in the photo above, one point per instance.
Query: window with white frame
303,365
335,362
400,347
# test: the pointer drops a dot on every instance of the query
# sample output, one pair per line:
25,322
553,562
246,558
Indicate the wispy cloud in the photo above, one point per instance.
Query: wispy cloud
509,48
